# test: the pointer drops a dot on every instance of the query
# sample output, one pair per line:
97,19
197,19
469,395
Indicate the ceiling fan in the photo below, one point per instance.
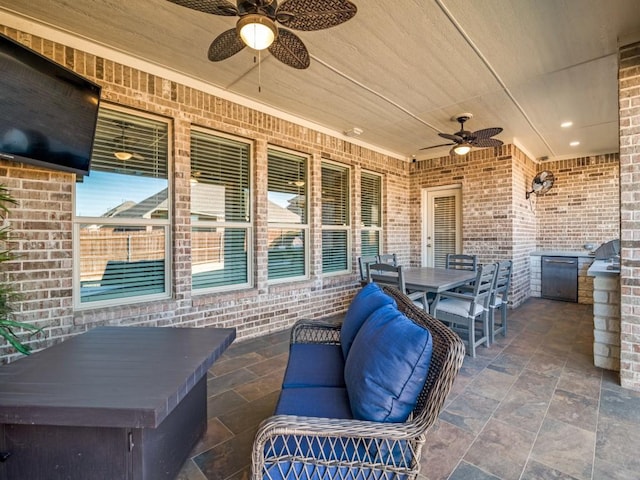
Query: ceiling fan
123,144
256,27
464,140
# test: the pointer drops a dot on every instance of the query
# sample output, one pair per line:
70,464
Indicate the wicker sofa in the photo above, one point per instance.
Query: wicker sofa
359,393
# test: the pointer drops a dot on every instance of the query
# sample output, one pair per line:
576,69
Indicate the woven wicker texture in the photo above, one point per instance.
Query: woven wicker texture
215,7
226,44
289,49
299,448
310,15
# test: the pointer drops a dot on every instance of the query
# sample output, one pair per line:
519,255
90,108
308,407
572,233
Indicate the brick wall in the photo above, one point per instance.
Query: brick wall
491,213
42,221
583,205
629,99
499,222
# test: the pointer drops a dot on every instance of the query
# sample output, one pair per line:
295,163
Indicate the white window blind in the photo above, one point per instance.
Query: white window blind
220,211
335,218
444,223
122,212
371,213
287,215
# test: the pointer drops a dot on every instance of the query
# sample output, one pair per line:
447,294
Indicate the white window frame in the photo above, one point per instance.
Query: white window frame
345,227
379,228
165,224
305,227
248,226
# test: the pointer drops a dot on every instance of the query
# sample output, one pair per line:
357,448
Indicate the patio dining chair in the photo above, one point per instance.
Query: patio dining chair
468,313
362,264
500,300
461,261
389,258
390,275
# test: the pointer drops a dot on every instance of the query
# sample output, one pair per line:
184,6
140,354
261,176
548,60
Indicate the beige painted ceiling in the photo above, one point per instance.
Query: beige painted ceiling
399,70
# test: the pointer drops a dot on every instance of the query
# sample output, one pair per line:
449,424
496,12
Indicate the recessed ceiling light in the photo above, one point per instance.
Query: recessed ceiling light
574,144
566,124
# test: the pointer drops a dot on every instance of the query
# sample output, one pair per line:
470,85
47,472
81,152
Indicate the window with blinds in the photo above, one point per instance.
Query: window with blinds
220,211
335,218
444,229
371,214
287,215
122,213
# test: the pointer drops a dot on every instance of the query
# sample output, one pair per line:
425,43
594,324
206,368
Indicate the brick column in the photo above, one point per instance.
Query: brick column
629,104
606,321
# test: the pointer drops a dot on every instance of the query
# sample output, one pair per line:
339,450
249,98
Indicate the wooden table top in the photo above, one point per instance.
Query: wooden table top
110,376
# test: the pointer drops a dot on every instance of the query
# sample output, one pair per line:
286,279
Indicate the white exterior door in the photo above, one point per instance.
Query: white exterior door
441,224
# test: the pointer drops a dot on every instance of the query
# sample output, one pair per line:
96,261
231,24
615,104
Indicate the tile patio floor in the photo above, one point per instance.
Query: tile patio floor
532,406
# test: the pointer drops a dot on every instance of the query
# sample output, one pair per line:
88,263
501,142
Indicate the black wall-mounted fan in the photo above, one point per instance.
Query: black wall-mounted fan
480,138
541,183
303,15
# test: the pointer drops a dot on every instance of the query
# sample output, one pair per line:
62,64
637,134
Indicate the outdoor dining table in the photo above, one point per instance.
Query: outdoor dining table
435,279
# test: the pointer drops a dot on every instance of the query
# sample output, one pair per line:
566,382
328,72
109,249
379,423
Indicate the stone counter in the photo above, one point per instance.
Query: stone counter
606,314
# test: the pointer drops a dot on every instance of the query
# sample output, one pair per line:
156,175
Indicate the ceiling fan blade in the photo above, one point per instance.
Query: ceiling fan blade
436,146
225,45
486,142
487,132
454,138
290,50
308,15
215,7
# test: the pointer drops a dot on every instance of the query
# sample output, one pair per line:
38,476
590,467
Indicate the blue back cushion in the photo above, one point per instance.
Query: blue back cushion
387,366
368,299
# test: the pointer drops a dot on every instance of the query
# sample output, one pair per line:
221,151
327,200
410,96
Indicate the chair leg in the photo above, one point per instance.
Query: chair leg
472,336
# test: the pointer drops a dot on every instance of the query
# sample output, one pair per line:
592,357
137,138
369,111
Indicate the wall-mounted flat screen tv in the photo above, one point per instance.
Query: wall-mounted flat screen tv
48,113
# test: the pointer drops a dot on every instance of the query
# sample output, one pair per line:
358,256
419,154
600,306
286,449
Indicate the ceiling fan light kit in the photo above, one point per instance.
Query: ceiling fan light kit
122,155
257,31
461,149
464,140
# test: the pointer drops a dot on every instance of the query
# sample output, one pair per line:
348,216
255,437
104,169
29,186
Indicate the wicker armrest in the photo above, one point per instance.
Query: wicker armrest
323,330
390,449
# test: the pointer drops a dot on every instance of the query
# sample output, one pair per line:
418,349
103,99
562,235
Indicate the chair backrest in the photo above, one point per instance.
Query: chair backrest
462,261
484,283
503,280
363,262
389,258
385,274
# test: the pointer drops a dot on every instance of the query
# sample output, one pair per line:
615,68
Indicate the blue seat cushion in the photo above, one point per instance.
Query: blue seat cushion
314,365
387,366
366,301
325,402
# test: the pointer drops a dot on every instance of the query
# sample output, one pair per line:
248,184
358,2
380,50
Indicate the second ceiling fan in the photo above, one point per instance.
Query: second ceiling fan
464,140
256,27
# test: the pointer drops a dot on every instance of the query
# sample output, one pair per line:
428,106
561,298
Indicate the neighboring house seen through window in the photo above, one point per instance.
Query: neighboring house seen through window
122,213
